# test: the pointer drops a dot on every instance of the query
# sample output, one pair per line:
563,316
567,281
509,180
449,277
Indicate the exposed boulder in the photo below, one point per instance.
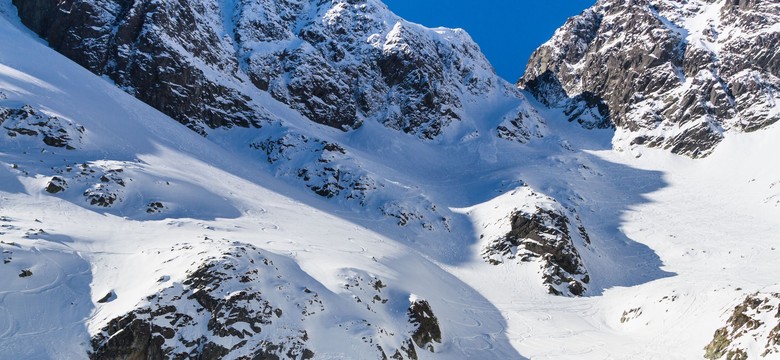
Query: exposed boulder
56,185
25,273
426,325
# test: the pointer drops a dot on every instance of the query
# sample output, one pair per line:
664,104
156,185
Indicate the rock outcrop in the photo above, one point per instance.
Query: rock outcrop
752,328
338,63
168,327
331,171
427,331
667,74
247,303
541,232
20,123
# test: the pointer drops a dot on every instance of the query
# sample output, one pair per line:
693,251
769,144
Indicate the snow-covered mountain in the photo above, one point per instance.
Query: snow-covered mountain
669,74
126,234
338,63
358,186
263,75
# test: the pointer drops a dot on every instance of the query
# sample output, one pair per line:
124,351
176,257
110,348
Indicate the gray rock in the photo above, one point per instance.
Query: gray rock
543,235
338,63
168,327
56,185
659,83
31,122
426,325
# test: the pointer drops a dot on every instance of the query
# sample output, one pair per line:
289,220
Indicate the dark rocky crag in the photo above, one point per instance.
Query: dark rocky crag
668,74
426,325
165,328
543,236
336,62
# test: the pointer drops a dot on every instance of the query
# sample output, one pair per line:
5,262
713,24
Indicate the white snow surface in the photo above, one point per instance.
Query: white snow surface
676,243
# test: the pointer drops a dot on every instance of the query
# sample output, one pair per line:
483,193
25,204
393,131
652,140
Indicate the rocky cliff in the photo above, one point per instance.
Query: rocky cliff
338,63
537,229
667,74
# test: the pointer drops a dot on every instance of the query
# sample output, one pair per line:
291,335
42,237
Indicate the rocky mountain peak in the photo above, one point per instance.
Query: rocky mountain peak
672,74
338,63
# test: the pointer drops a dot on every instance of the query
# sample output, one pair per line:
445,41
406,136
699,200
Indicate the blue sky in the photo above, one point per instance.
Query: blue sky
508,31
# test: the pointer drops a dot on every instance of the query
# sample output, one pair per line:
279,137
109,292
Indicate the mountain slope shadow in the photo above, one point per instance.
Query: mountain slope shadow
571,164
603,193
616,259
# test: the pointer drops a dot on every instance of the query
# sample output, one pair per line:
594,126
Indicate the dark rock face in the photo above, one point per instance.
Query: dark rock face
663,79
160,52
266,307
426,325
135,341
543,235
338,63
587,109
747,329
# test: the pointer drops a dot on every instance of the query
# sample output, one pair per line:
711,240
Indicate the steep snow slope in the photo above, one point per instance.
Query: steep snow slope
332,288
342,98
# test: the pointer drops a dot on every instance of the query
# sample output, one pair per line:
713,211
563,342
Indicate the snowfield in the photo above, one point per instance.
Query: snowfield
132,204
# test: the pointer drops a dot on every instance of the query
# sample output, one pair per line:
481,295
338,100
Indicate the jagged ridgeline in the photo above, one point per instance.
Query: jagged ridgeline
670,74
338,63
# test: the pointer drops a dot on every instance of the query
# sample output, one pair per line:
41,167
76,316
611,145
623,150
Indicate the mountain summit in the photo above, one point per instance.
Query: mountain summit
338,63
669,74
